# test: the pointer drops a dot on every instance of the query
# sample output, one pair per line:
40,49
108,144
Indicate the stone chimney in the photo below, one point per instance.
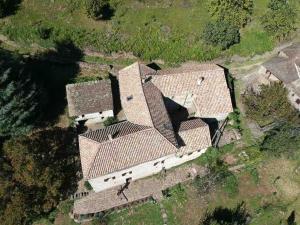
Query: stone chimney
110,137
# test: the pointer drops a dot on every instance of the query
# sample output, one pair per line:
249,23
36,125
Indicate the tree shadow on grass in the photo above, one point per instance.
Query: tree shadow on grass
9,7
53,70
227,216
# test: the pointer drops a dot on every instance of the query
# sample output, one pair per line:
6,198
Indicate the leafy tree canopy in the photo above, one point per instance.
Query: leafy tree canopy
37,171
270,105
19,96
284,139
280,19
221,33
237,12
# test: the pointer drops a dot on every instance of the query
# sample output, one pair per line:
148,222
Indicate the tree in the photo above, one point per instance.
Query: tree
280,19
20,96
110,121
38,170
96,8
270,105
283,139
221,33
237,12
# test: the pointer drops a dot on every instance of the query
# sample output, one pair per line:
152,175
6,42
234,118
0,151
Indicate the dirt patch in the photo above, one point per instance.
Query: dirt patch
230,159
195,207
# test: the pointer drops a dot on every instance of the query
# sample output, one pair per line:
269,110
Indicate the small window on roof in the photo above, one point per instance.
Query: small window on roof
130,97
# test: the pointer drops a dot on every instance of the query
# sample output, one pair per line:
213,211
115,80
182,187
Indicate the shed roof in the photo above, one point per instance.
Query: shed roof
89,97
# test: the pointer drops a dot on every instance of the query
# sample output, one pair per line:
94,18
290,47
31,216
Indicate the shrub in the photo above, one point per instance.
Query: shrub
221,34
95,8
88,186
44,32
109,121
280,19
270,105
232,11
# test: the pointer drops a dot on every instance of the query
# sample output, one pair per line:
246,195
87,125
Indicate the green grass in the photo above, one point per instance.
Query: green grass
146,214
158,29
175,203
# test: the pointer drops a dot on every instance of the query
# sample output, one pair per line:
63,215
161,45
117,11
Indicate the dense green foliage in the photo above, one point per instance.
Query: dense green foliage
232,11
110,121
284,139
270,105
36,172
95,8
221,33
20,96
280,19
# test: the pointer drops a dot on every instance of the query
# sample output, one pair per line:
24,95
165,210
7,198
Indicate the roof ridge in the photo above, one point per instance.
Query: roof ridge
194,71
87,82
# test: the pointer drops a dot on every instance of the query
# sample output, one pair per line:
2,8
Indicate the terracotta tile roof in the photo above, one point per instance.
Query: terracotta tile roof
194,135
116,130
159,115
132,96
212,96
191,124
89,97
122,152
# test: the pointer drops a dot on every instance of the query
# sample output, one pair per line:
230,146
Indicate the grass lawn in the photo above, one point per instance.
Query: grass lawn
145,214
168,30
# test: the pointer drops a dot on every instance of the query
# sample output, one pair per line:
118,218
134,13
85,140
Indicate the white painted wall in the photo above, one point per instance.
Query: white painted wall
142,170
99,116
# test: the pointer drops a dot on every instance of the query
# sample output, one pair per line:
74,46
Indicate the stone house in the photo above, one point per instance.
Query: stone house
149,141
285,67
90,100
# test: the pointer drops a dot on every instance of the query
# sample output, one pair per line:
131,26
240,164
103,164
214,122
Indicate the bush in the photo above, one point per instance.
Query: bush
95,8
232,11
280,19
270,105
44,32
221,34
109,121
88,186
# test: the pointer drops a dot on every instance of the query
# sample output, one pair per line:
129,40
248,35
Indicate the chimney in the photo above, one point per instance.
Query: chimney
110,137
200,80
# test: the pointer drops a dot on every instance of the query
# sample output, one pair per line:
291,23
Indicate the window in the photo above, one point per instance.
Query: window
124,174
190,153
100,112
163,161
181,156
82,115
113,178
155,163
199,150
130,97
130,172
107,179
